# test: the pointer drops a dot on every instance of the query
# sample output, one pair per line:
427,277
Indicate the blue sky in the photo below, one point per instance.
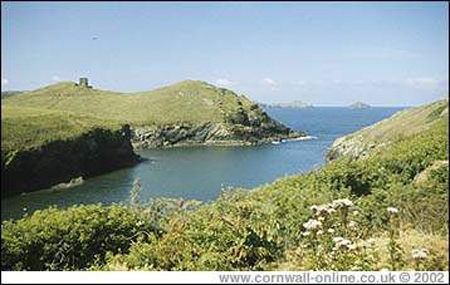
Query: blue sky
322,53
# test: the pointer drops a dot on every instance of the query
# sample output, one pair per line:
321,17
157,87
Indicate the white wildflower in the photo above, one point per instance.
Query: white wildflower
320,210
321,219
312,224
338,239
342,203
342,243
331,231
319,232
305,234
420,253
331,211
392,210
352,224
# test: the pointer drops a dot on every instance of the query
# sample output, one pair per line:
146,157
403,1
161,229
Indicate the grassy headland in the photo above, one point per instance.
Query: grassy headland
36,124
188,101
192,112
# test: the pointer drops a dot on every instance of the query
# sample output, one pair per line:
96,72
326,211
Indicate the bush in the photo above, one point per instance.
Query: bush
71,239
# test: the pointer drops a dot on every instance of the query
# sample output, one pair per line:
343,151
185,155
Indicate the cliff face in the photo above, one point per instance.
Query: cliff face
90,154
240,128
373,138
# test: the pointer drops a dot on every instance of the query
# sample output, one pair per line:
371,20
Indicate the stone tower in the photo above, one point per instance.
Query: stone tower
84,83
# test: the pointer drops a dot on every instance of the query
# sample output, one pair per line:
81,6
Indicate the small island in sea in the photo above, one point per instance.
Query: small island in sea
359,105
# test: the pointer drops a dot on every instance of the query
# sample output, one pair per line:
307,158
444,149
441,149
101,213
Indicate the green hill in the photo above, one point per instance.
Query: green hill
405,123
363,215
188,112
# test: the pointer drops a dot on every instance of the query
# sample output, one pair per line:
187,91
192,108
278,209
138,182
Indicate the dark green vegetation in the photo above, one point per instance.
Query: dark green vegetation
265,228
72,239
67,130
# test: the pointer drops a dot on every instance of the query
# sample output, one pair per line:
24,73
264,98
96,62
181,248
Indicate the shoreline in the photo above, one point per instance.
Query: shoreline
224,143
69,183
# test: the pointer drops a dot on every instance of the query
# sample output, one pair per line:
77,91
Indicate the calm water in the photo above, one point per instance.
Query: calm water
199,172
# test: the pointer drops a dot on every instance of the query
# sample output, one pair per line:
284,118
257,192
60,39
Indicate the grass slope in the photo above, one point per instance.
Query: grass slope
187,101
273,227
26,128
6,94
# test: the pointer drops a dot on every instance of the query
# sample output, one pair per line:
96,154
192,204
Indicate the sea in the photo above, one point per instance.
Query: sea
203,172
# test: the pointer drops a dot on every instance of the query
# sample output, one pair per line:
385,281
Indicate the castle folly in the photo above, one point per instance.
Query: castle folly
83,83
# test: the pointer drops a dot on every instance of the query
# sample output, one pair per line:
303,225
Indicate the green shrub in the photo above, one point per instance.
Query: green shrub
70,239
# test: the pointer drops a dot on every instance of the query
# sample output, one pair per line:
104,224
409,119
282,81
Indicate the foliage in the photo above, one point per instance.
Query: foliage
71,239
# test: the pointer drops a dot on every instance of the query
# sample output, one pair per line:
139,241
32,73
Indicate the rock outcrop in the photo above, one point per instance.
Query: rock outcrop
240,128
208,134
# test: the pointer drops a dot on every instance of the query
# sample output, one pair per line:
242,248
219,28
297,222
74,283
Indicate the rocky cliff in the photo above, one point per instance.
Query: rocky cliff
240,128
92,153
